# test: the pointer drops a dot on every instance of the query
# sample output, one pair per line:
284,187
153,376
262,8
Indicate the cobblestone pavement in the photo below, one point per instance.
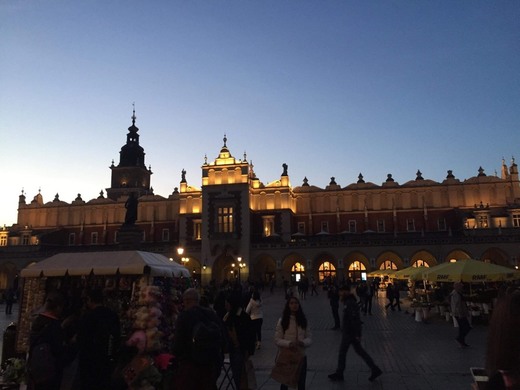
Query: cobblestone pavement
413,355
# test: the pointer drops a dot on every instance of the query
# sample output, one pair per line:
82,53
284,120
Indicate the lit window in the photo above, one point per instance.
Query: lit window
420,263
516,220
388,264
268,223
326,270
197,229
356,266
3,240
225,220
483,221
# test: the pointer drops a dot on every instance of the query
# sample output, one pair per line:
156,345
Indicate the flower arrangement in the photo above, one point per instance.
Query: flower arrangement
15,371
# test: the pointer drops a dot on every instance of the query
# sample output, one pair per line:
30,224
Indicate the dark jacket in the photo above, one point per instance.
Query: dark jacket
186,321
240,324
351,318
45,329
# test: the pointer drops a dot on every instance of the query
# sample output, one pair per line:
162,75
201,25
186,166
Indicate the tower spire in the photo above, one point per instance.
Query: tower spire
133,114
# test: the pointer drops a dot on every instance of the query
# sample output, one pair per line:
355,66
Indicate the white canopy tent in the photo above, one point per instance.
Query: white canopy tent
106,263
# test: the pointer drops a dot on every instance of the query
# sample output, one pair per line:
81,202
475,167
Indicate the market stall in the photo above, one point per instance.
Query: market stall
140,286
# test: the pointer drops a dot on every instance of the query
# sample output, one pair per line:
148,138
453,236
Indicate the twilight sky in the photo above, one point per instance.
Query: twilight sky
332,88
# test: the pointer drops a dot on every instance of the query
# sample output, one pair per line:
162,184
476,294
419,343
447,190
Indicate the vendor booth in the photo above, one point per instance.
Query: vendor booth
142,287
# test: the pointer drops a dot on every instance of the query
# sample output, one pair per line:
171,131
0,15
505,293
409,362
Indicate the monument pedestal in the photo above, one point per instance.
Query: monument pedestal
129,237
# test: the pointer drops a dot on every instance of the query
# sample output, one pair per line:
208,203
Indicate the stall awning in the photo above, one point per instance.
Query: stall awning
106,263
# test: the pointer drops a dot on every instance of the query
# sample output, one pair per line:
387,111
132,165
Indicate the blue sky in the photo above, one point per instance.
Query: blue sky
332,88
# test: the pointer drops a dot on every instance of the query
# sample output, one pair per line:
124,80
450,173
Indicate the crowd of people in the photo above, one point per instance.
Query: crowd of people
93,341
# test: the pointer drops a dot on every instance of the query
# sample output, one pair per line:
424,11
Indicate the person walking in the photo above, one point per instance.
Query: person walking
390,296
254,309
313,286
99,336
460,311
334,304
9,301
241,336
293,331
189,369
351,335
370,297
397,296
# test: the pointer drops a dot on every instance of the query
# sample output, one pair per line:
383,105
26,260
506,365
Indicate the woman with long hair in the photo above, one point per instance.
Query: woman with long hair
293,331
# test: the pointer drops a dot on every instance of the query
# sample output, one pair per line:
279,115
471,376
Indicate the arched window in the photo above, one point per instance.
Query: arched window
297,271
357,266
388,264
325,270
420,263
357,271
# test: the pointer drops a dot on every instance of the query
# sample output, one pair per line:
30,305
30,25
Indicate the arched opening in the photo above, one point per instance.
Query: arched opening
297,271
326,270
388,264
420,263
357,271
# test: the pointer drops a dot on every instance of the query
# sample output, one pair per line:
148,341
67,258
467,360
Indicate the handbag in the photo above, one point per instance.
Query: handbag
288,365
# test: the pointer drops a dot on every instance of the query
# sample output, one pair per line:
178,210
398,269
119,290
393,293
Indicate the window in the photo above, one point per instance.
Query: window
388,264
225,220
72,238
116,237
268,224
352,226
3,240
420,263
197,229
93,238
410,225
516,220
380,225
325,270
25,239
325,226
483,221
143,238
166,234
357,266
301,227
441,224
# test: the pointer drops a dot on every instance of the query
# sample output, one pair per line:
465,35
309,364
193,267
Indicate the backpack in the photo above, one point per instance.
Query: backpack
206,347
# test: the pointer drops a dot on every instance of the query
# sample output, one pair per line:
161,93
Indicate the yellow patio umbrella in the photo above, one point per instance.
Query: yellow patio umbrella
410,273
470,271
382,273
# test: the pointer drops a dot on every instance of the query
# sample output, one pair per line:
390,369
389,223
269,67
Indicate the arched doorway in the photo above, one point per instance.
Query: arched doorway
357,271
297,271
326,270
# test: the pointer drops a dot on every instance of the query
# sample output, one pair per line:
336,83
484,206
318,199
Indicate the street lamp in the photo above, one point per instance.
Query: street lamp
185,261
240,266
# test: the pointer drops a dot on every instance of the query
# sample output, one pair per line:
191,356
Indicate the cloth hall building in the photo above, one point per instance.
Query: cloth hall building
275,230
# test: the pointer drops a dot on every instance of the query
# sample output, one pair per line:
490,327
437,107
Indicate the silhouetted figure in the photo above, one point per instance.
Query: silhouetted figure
9,300
131,209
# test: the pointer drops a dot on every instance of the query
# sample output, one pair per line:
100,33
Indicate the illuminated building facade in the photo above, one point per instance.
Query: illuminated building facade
275,229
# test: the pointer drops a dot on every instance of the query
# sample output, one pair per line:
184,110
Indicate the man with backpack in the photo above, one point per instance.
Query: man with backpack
197,345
